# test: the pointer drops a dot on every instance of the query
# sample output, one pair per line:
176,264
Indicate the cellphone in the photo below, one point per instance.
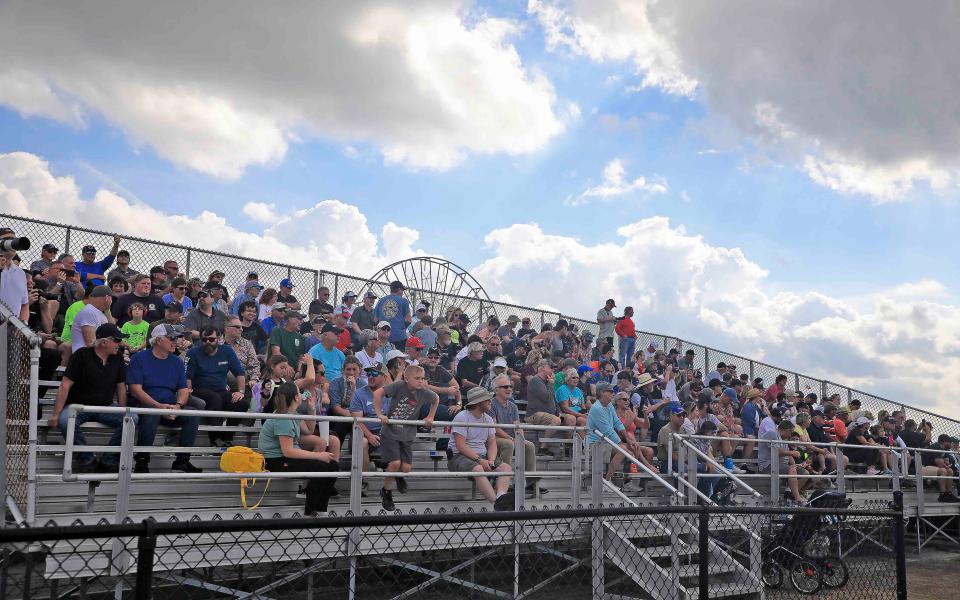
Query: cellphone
70,272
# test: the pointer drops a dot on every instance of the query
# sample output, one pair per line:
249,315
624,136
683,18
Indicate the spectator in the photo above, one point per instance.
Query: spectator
249,294
858,436
217,291
770,422
753,411
136,328
327,352
287,339
274,318
475,449
606,321
939,464
122,270
426,334
384,347
570,398
246,353
395,309
172,315
194,285
631,423
441,382
252,331
83,331
525,329
363,317
267,305
675,425
602,420
369,344
172,270
207,369
542,407
251,276
119,286
48,254
313,336
13,282
94,375
362,406
315,435
779,387
347,306
407,397
321,304
285,295
344,341
627,332
340,391
505,412
414,347
204,316
157,379
93,270
786,459
583,350
472,368
178,293
141,293
158,280
277,371
279,442
490,329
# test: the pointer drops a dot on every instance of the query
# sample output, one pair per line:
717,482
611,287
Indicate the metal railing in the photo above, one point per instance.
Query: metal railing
19,376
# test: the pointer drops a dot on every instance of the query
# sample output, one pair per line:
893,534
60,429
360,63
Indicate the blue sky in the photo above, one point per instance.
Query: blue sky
525,106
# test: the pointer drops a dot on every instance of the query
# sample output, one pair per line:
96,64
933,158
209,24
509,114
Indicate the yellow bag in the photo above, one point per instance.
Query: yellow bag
240,459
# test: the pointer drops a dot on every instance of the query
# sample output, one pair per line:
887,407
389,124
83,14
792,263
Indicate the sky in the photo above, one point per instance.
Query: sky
776,179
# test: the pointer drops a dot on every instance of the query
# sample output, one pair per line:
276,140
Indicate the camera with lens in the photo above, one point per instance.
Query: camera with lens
14,244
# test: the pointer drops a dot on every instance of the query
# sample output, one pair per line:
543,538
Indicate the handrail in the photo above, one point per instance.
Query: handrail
801,442
633,459
722,468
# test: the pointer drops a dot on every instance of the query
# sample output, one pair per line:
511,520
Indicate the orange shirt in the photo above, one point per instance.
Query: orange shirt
625,328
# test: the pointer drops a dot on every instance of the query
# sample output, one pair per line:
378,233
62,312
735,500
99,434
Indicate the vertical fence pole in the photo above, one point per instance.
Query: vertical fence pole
576,464
146,547
187,266
4,362
899,550
336,288
704,551
66,242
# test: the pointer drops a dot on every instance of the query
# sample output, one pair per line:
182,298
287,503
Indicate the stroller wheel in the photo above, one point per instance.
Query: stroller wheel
771,574
834,571
805,576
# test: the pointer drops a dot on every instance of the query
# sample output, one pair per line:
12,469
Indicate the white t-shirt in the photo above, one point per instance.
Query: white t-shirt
264,312
366,360
13,289
476,437
89,316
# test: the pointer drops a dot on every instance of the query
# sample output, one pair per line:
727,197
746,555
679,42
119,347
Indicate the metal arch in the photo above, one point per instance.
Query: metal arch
437,280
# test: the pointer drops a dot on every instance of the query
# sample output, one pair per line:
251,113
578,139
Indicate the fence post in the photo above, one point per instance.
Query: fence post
704,552
187,266
898,546
706,362
66,242
146,547
4,365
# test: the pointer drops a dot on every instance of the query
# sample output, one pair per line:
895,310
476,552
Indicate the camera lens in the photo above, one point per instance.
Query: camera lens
14,244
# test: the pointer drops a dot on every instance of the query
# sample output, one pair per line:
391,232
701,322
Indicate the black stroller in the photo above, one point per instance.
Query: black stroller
802,547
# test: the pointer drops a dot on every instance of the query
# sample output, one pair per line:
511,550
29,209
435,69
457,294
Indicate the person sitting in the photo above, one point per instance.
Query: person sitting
207,369
204,316
505,412
602,421
158,379
94,375
786,459
570,399
315,401
251,290
287,339
938,464
279,442
136,328
872,453
631,423
178,293
250,327
140,293
407,397
327,352
474,449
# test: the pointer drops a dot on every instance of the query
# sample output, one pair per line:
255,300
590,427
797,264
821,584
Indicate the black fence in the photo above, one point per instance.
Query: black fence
623,552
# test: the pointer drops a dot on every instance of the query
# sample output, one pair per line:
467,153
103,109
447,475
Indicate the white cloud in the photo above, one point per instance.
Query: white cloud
901,342
261,211
615,183
227,85
858,109
331,234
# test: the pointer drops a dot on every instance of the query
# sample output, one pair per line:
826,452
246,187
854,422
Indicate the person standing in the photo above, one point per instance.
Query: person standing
606,320
627,333
395,310
13,282
92,270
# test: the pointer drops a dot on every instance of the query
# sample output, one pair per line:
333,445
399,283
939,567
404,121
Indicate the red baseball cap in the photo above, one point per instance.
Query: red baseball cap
415,342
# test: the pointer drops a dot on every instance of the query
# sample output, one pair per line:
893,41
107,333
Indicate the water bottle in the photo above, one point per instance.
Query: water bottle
728,463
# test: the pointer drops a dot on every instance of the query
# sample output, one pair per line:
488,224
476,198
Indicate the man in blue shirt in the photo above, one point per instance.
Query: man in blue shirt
395,309
251,290
603,418
157,379
207,368
362,406
328,353
91,269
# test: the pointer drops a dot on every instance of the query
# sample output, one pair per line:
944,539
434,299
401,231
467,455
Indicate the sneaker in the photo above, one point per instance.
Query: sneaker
402,485
386,499
301,492
504,502
141,466
634,485
185,466
948,497
546,452
738,471
873,471
887,472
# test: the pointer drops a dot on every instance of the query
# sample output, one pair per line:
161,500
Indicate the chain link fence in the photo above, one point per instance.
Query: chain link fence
21,353
666,552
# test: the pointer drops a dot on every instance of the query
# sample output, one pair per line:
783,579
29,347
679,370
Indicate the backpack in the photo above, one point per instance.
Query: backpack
240,459
724,492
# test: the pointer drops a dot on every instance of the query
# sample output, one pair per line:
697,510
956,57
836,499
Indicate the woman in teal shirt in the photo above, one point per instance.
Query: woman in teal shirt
570,398
280,445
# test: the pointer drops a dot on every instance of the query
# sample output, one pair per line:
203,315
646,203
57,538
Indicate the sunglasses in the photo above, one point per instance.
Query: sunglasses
504,387
373,373
210,339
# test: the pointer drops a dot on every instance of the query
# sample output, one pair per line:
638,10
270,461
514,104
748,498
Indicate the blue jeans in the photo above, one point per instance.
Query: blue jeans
115,421
626,350
147,431
705,484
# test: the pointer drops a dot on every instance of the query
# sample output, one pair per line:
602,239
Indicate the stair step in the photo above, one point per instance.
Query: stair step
723,590
694,569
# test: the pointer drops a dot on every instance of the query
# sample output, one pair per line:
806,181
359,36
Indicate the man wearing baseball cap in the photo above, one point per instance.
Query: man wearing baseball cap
48,253
94,374
606,321
327,352
251,291
158,379
395,309
91,269
287,339
286,296
363,316
414,347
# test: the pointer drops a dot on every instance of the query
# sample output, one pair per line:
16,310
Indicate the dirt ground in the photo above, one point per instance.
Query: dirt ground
930,576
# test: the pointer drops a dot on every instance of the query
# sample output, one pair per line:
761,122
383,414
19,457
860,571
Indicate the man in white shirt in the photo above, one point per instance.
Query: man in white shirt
91,316
13,282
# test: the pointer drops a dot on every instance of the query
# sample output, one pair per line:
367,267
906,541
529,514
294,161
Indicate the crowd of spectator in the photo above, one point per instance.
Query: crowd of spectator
161,339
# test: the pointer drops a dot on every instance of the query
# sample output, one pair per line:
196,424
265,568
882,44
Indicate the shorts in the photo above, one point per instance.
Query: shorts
462,464
785,469
749,431
930,471
540,418
392,449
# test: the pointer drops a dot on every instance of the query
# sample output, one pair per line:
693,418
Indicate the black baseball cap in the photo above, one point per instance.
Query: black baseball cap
110,330
173,306
88,248
49,248
330,327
